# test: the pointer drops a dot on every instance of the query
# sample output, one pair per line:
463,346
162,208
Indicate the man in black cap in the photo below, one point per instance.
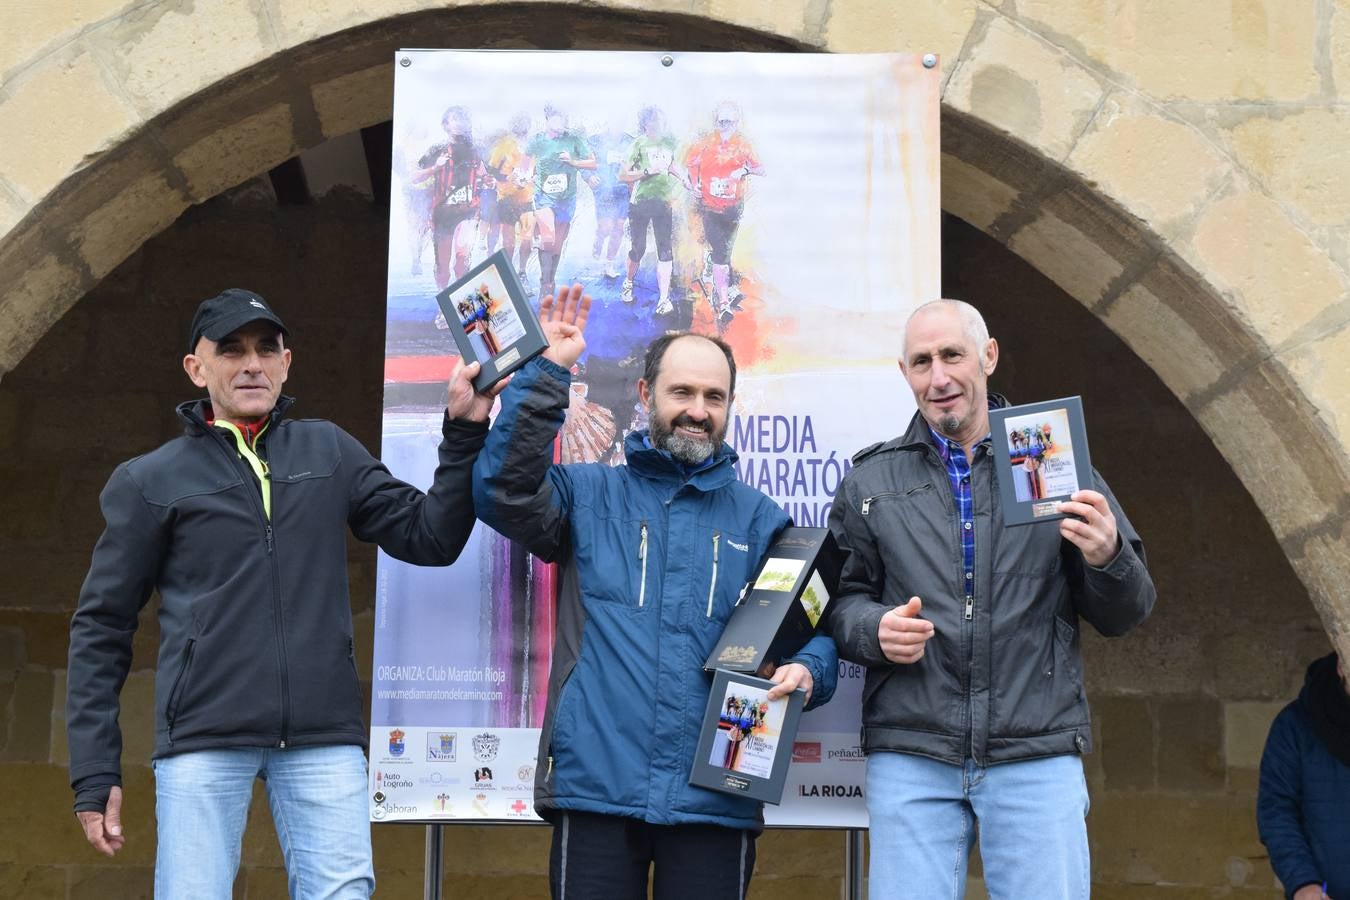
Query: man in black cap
241,526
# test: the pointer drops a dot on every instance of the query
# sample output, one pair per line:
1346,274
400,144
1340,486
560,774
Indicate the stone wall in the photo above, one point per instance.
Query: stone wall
1182,704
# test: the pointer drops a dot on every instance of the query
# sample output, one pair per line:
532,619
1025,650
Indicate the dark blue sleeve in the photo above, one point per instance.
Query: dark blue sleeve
517,488
822,659
1279,800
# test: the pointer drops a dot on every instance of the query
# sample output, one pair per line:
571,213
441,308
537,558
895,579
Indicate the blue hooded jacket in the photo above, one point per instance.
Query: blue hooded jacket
651,559
1303,803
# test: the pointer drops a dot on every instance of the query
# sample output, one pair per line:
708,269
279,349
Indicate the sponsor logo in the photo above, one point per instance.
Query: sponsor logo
442,802
485,746
744,548
397,809
378,797
518,808
438,779
525,773
852,754
480,804
441,746
829,790
377,813
482,777
389,780
396,742
806,752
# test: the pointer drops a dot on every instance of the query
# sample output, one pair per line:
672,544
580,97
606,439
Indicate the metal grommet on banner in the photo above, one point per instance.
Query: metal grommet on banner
929,60
667,60
405,62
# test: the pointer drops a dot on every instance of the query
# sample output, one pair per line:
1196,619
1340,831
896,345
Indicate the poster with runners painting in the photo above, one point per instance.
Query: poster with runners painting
787,203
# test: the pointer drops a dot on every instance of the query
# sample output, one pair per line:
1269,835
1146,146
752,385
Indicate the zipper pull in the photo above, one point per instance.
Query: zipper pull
867,504
269,539
970,607
642,545
712,583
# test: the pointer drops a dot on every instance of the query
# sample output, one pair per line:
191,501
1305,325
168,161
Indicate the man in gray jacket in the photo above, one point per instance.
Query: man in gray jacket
973,710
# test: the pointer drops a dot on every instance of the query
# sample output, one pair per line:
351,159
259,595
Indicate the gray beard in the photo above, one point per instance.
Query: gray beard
949,424
690,451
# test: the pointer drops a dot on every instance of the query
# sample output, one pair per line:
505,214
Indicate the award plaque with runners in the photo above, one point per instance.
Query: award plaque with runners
491,321
745,744
1040,453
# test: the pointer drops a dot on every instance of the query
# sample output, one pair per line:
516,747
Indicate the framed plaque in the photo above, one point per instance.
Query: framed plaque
745,744
491,320
1040,458
779,610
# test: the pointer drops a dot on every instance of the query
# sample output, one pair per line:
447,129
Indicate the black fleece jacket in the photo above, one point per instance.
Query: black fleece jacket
255,621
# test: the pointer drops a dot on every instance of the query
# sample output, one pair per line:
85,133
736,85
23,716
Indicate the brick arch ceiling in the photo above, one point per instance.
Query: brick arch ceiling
1116,263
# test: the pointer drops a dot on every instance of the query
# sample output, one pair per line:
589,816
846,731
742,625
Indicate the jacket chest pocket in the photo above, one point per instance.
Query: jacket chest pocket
720,566
903,522
626,555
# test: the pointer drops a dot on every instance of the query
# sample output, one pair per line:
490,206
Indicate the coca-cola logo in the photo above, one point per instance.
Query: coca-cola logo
806,751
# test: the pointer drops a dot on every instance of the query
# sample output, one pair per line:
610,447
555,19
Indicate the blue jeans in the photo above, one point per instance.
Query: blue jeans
318,800
1032,828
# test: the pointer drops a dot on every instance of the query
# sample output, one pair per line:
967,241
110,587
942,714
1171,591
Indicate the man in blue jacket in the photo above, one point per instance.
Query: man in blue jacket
1303,803
241,527
652,556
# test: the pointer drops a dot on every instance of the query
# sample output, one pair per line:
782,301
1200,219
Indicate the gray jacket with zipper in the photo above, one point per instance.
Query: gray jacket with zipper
1001,679
255,646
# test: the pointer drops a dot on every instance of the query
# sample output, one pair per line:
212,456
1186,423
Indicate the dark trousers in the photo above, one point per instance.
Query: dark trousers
597,857
661,217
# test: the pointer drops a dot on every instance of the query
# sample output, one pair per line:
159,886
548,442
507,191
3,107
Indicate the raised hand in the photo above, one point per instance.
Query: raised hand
564,320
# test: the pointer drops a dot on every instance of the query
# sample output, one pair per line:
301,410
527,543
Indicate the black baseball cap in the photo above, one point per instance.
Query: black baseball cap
228,311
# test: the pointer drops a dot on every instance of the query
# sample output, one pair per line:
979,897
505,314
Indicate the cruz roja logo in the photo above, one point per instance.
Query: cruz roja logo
830,790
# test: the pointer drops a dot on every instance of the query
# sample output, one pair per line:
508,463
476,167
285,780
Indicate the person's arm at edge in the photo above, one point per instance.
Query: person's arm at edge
1278,797
120,581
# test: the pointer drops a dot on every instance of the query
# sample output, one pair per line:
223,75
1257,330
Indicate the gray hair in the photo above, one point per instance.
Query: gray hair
972,323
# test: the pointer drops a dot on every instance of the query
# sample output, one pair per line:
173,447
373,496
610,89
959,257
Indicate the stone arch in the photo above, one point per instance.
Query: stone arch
1066,156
